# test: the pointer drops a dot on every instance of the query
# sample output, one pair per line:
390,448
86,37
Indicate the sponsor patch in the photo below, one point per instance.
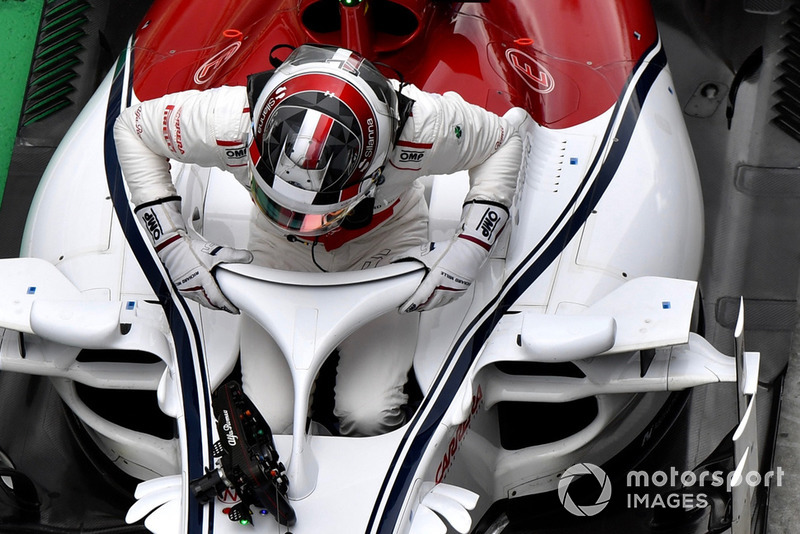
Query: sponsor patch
411,155
488,224
153,225
235,153
174,142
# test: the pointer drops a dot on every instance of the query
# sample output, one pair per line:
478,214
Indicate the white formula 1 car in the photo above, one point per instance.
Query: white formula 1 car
566,351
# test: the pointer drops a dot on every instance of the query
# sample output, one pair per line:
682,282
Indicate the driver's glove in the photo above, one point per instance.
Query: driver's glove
453,265
190,262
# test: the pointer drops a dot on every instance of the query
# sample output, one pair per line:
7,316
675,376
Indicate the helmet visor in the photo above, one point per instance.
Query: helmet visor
299,223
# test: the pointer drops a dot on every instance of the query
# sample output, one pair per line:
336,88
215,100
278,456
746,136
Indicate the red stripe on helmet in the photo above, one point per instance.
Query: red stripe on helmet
350,191
318,139
255,155
337,88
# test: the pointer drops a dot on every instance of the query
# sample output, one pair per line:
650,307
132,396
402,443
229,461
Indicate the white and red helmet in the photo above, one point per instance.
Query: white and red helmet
323,126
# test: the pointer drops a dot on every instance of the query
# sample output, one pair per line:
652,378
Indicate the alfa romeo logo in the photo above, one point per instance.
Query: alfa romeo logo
534,74
575,472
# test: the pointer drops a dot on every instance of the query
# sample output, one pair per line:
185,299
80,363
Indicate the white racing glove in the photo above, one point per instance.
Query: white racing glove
190,262
453,265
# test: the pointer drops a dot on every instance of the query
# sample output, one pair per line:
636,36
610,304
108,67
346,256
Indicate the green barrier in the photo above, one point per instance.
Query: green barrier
19,24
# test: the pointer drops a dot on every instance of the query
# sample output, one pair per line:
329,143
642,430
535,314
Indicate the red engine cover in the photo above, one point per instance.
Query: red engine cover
565,61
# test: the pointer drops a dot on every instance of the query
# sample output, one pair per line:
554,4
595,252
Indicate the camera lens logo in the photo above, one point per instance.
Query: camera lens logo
576,472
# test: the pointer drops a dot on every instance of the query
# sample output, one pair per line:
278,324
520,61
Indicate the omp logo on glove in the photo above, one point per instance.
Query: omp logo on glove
152,224
488,223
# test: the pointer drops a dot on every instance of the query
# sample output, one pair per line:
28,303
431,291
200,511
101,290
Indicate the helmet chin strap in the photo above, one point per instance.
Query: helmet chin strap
361,215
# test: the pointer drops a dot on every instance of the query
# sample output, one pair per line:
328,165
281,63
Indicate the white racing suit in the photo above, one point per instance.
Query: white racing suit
443,134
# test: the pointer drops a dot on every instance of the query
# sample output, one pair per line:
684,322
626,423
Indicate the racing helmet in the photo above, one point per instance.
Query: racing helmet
323,126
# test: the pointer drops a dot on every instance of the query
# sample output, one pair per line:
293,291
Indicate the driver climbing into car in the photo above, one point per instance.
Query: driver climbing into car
330,151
